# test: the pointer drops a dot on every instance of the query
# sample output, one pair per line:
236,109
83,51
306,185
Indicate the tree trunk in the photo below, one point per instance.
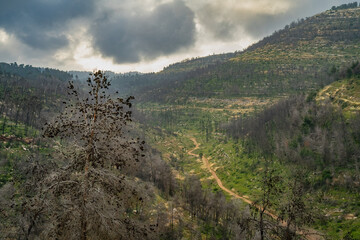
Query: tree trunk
4,125
262,225
84,201
83,220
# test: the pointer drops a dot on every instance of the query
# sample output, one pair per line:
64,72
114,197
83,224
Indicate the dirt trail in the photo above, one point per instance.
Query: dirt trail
321,92
350,101
309,234
218,181
324,93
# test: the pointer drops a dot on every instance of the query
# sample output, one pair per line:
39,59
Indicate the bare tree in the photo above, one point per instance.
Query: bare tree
295,210
270,188
90,195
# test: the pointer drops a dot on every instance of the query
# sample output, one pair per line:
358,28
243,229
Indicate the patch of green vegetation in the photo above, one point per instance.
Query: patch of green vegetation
17,129
341,229
179,123
18,142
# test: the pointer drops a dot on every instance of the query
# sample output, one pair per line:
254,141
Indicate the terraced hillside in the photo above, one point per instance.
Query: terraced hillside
345,93
299,57
304,55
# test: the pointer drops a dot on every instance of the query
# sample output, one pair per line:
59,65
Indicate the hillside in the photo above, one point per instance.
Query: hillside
318,133
302,56
344,93
297,58
188,65
151,86
29,94
35,74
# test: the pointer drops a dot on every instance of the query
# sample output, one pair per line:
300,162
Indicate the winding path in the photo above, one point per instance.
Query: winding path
310,234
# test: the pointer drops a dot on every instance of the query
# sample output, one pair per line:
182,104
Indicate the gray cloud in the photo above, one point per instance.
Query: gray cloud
41,24
144,35
265,24
65,32
227,20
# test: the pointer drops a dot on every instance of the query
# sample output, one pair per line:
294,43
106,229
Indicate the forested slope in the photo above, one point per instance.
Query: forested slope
300,57
29,94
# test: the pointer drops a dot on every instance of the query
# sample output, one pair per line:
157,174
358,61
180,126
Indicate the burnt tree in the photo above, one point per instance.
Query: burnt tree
91,194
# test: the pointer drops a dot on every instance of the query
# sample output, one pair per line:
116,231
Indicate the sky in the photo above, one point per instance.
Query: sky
138,35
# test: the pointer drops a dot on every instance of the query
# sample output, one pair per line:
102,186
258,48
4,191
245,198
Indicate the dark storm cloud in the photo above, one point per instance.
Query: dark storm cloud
145,35
41,24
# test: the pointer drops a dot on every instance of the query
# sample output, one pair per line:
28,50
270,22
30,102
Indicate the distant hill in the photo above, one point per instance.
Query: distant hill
199,62
82,76
30,94
150,86
34,73
302,56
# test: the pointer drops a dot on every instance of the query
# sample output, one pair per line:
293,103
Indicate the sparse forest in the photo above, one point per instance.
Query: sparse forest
301,129
257,144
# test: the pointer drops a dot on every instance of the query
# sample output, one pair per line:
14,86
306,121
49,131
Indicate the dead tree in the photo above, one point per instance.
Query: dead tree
89,195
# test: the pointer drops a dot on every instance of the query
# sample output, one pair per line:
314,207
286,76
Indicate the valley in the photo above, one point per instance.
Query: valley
255,144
